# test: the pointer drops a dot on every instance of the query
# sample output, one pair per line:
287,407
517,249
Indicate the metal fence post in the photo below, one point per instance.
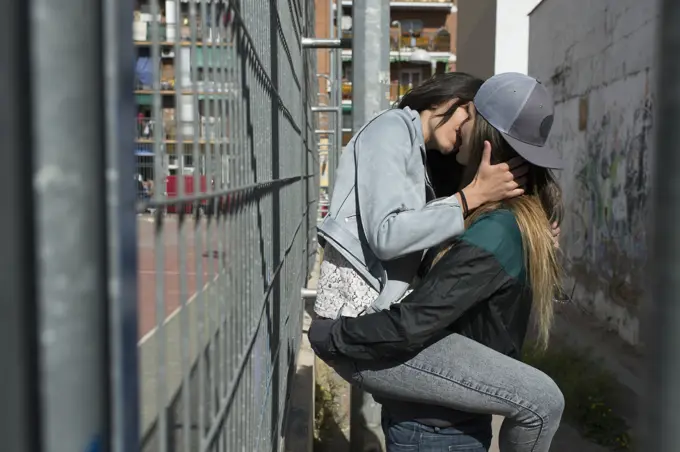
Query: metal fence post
20,422
370,86
333,87
337,76
662,420
70,214
118,65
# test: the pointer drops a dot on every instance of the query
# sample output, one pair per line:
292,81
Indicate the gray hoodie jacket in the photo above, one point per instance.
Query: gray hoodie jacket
378,217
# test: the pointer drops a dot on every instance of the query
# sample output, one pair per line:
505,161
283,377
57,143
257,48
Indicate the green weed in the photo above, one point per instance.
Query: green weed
590,393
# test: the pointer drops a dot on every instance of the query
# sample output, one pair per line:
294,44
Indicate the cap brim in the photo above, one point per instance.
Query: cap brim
536,155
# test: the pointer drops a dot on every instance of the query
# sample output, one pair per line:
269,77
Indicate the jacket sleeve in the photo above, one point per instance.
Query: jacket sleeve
469,274
394,217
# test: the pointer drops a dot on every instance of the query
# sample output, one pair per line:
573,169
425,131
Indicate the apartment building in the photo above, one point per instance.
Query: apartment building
422,42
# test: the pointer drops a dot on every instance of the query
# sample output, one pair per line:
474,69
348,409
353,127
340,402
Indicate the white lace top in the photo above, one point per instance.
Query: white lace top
341,289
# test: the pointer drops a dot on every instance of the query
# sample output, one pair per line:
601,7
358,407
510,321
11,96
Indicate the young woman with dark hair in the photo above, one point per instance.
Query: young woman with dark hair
383,213
480,289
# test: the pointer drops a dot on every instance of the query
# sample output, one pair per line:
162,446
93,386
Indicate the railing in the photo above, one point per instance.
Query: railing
437,3
396,90
430,40
405,42
209,129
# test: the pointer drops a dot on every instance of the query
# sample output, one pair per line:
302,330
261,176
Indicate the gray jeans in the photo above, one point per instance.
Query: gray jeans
462,374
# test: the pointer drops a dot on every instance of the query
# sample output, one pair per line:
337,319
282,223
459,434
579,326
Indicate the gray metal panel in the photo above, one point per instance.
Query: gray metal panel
20,423
68,129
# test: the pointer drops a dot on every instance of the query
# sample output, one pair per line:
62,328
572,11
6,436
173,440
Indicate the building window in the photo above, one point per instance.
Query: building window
410,77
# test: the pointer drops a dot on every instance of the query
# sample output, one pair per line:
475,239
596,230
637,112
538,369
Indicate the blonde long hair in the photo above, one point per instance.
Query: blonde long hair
535,211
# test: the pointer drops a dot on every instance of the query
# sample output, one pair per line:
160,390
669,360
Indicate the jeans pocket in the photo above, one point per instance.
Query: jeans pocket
460,442
400,438
396,442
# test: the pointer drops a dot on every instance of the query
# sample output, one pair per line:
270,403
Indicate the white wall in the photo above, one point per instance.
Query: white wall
596,56
512,35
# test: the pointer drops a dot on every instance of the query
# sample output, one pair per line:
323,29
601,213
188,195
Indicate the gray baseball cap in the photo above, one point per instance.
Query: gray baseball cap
521,109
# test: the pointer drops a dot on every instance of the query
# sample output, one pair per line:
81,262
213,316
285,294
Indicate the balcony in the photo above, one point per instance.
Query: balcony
396,91
416,4
436,41
204,34
411,34
209,131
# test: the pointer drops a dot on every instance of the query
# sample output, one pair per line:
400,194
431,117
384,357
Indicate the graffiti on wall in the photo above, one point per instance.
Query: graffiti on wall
612,186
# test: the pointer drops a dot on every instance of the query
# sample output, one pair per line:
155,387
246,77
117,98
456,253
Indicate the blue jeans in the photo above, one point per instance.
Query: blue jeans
411,436
461,374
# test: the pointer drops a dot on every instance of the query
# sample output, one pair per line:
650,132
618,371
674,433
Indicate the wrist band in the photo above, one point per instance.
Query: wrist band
465,204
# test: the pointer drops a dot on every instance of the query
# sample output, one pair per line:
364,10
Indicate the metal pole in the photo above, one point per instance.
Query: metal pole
338,98
325,109
118,55
317,43
334,85
69,182
20,420
398,24
662,420
371,94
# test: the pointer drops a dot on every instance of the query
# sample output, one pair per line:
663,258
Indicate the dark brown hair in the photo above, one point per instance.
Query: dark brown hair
440,89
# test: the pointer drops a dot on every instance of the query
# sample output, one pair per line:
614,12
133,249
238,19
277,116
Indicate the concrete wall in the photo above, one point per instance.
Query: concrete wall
476,37
597,59
493,36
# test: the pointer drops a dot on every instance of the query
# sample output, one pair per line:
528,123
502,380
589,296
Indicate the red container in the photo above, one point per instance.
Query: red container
171,189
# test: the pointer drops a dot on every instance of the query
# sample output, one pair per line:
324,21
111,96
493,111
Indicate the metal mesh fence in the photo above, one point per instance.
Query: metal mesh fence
227,185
